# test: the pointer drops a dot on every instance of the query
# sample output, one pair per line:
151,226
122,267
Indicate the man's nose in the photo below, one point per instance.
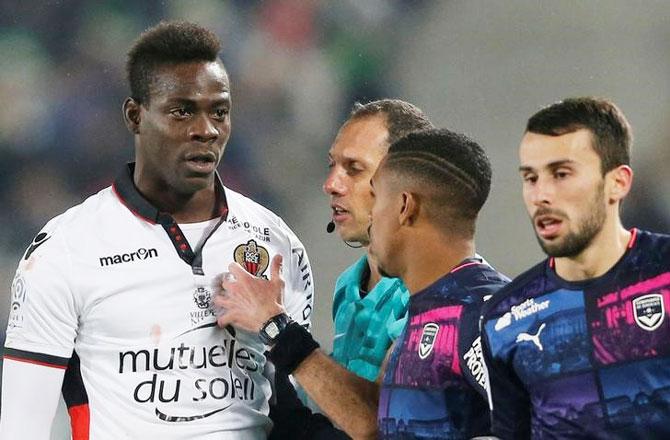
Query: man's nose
334,184
542,193
203,129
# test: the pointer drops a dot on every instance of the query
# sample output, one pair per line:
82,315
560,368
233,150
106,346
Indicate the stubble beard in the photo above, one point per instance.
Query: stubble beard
574,243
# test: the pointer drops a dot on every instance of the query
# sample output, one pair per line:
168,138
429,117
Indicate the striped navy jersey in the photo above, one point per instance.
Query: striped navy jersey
587,359
435,381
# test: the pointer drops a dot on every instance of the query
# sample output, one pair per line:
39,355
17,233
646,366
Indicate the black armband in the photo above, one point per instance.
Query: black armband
293,345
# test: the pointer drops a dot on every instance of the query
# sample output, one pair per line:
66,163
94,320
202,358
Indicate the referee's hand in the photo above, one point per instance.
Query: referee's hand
248,301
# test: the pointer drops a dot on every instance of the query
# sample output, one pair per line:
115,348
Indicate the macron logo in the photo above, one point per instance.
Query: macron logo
140,254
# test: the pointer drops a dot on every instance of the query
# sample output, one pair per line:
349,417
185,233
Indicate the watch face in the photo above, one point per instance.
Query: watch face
272,330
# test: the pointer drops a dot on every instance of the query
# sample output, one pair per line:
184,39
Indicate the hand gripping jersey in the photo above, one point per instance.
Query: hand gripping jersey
366,327
434,386
587,359
113,292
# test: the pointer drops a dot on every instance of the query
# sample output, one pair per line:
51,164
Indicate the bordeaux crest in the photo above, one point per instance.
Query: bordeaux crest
428,337
255,259
649,311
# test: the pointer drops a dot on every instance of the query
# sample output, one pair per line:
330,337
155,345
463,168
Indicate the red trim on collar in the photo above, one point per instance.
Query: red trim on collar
457,268
130,208
633,238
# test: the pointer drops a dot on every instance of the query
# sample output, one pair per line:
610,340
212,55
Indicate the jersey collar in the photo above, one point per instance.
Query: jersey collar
127,192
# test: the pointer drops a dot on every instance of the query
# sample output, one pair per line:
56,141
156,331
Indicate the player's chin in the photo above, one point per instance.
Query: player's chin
188,184
385,271
352,233
553,247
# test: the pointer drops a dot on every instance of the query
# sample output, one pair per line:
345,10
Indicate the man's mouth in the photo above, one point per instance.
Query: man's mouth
339,213
201,162
548,226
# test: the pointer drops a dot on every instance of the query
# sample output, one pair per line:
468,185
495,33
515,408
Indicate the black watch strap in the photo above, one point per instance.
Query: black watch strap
273,327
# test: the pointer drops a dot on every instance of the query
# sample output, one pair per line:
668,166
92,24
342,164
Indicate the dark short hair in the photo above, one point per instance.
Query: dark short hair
167,43
402,117
450,167
612,134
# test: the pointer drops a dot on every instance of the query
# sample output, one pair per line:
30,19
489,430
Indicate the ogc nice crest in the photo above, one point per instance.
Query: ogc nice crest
649,311
255,259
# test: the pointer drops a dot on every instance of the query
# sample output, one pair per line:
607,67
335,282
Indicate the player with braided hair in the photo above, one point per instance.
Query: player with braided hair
427,193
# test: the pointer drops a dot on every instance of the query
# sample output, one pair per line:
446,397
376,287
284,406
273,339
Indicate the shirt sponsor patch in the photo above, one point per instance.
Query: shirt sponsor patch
527,308
138,255
475,362
19,293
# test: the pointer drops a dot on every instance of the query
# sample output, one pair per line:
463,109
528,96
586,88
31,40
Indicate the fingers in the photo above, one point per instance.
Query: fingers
224,320
238,271
276,266
219,300
235,273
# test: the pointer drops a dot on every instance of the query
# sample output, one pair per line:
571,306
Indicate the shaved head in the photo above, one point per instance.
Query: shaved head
448,171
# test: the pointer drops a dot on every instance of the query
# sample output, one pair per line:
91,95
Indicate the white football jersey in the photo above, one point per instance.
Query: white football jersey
113,292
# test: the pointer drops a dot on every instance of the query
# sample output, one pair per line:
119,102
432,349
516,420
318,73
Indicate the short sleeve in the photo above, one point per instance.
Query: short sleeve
508,400
43,319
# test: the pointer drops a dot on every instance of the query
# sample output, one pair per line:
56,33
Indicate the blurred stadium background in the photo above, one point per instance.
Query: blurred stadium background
296,67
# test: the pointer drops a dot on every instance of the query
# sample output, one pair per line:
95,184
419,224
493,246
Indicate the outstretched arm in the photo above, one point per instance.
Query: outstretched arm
349,401
292,419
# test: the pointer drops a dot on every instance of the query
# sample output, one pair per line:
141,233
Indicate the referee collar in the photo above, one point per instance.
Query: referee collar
124,187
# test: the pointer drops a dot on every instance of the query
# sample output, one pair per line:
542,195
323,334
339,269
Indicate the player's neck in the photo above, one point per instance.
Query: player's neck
375,276
600,256
184,208
198,208
434,255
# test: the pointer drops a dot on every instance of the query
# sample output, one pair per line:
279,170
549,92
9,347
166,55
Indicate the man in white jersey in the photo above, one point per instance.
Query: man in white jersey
112,300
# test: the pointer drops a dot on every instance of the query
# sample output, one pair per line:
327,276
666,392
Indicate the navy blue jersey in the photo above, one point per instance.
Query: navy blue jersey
435,382
587,359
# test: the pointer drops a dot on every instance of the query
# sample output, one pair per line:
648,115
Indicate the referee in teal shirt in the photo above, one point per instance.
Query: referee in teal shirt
369,311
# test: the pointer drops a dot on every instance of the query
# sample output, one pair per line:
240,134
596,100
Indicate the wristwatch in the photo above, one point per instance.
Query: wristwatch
273,327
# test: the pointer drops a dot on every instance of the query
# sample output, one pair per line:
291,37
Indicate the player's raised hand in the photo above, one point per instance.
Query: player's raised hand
248,301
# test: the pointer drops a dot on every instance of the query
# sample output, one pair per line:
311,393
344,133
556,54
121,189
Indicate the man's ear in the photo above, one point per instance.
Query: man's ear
619,181
409,208
132,115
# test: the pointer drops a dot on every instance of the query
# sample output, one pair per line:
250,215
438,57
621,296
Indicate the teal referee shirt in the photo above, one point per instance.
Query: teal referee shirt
366,327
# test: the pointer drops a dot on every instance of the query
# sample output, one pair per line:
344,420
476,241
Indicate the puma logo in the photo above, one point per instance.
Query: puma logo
535,339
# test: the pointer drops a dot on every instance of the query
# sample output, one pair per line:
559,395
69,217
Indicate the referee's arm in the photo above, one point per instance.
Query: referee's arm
292,419
348,400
